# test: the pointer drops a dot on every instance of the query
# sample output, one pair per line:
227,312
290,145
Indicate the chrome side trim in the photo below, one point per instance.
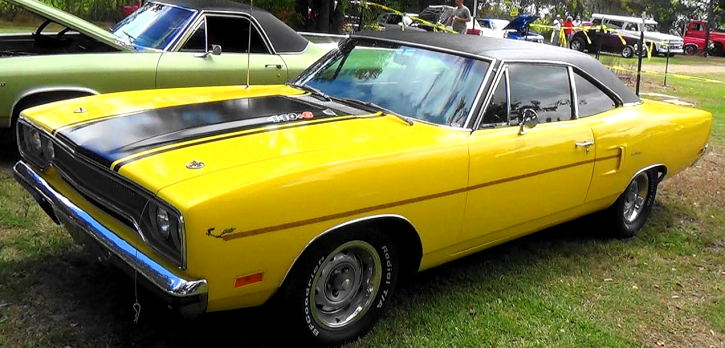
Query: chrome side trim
500,74
335,228
574,95
162,278
39,90
481,91
646,169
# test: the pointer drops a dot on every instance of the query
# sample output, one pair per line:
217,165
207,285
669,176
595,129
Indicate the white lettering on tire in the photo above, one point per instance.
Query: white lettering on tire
308,291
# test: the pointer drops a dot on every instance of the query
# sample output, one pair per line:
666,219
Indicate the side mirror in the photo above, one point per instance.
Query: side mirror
530,120
216,50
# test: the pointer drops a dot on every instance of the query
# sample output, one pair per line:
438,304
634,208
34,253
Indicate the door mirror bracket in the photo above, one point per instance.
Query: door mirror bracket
530,120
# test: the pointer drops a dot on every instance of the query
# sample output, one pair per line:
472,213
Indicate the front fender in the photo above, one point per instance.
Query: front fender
100,73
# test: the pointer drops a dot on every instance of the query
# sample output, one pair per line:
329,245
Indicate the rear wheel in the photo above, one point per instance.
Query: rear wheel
632,209
628,51
340,287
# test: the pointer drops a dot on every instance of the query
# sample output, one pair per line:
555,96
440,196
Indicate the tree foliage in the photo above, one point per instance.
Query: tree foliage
324,16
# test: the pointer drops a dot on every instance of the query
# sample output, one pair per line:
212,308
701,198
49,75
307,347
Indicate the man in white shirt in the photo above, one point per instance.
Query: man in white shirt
557,29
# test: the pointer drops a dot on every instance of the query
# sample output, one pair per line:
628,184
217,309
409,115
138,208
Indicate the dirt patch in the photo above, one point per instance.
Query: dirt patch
684,68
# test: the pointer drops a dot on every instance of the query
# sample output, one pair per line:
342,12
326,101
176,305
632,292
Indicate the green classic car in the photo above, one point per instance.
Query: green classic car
166,43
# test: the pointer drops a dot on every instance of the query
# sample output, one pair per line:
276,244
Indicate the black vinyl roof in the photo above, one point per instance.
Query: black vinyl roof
283,38
507,49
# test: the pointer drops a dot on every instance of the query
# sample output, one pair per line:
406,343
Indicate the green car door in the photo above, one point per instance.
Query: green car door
215,53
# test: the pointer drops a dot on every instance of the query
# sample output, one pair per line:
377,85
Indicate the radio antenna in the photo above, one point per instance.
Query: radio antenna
249,43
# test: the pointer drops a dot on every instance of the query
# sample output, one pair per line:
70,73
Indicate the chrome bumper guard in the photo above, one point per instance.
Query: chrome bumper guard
188,296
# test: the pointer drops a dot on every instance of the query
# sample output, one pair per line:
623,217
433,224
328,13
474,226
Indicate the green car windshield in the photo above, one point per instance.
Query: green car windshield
423,84
154,26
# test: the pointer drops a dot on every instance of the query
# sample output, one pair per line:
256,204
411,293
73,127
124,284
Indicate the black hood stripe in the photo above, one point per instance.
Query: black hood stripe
108,141
77,124
123,162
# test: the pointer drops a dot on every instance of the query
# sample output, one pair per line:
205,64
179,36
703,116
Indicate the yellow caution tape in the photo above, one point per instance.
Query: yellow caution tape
435,26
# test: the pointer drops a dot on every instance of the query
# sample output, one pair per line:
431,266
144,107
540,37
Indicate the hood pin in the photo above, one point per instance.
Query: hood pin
195,165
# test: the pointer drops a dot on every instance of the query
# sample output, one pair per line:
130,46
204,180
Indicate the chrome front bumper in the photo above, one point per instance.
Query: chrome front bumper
188,296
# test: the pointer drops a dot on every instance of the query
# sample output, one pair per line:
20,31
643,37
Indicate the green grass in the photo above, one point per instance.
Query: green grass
707,96
568,286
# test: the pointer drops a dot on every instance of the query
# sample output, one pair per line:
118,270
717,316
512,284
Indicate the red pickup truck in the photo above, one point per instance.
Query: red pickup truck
695,39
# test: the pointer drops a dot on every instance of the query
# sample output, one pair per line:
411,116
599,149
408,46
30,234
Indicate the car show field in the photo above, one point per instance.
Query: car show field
519,195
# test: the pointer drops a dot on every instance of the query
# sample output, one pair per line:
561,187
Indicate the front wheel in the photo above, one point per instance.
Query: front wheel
633,207
577,44
340,287
690,50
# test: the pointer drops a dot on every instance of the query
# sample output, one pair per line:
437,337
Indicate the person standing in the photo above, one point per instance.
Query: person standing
460,17
568,30
557,29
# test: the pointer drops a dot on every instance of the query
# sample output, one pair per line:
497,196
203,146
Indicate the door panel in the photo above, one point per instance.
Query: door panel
182,69
520,178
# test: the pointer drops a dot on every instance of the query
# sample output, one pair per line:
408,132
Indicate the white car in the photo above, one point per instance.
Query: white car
630,26
488,27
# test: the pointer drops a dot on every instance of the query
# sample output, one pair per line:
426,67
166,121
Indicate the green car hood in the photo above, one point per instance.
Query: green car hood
70,21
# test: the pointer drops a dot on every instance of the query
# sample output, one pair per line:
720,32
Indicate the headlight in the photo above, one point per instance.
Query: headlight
162,228
162,223
34,143
48,150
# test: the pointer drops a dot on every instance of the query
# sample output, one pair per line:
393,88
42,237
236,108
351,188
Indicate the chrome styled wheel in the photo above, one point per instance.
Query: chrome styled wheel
635,197
634,205
627,52
345,285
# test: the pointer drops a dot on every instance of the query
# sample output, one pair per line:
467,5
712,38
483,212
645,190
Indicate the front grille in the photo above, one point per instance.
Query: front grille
100,187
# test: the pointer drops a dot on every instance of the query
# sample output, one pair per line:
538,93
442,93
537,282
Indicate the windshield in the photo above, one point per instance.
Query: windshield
153,26
422,84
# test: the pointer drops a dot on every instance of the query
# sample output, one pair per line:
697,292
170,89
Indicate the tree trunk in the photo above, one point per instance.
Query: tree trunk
323,21
710,19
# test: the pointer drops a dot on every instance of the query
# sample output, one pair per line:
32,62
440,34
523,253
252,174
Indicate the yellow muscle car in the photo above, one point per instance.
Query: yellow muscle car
395,153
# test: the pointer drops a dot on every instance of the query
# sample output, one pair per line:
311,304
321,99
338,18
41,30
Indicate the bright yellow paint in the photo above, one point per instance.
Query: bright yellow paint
462,191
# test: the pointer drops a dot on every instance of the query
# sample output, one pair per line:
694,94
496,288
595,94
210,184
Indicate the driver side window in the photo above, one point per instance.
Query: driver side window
231,33
197,41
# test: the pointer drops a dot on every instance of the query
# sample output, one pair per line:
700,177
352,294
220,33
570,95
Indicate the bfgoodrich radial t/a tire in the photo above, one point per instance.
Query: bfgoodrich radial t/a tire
632,209
340,287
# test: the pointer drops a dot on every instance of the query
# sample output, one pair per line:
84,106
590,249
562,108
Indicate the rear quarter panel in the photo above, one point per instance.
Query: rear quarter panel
636,137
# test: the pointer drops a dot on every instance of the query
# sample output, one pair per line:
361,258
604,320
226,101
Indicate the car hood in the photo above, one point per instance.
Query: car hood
70,21
151,138
520,22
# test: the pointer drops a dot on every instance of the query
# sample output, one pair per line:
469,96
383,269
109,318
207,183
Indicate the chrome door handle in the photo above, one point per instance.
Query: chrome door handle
278,66
585,144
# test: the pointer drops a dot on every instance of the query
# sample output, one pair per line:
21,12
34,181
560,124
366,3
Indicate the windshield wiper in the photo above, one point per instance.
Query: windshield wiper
312,90
131,39
374,107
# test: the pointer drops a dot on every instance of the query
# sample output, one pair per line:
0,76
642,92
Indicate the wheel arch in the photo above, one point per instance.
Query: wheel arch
661,173
41,92
407,242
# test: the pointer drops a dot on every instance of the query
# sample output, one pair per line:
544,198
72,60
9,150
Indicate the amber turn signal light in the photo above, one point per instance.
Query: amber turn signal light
248,279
